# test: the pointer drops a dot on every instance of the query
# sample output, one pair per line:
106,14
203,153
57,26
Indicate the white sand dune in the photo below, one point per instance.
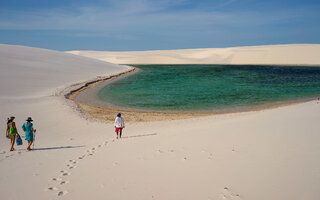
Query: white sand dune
270,154
41,72
293,54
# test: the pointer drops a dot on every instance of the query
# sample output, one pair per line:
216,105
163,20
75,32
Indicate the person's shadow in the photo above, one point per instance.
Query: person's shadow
80,146
142,135
57,148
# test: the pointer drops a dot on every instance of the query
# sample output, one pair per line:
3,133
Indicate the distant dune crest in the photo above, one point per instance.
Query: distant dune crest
292,54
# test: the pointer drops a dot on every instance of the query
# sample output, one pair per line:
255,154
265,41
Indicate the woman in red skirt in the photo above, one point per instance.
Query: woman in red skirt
119,125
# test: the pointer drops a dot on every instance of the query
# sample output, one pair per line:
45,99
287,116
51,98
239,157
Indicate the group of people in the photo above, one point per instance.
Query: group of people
27,127
12,132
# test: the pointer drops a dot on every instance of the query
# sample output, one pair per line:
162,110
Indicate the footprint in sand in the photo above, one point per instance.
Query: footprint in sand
61,193
227,194
69,165
64,182
52,188
210,156
73,161
90,152
72,167
65,173
81,157
57,179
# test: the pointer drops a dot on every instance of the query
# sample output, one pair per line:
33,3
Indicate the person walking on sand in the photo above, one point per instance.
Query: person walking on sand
28,129
119,125
11,131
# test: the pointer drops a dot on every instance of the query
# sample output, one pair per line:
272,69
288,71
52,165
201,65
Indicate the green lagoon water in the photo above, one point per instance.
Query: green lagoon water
211,87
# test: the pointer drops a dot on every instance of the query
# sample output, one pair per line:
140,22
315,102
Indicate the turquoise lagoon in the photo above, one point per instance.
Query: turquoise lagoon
211,87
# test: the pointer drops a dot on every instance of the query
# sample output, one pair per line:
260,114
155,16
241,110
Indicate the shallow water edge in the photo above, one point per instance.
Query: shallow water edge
87,100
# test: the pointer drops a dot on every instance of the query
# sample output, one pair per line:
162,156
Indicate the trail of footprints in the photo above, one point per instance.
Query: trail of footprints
10,154
57,183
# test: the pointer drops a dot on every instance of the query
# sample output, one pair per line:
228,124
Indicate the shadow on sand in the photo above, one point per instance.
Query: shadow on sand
56,148
144,135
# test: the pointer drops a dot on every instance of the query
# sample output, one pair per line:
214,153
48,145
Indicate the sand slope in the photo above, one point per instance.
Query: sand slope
270,154
33,71
293,54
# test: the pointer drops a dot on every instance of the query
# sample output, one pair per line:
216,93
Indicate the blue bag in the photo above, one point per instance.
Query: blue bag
19,140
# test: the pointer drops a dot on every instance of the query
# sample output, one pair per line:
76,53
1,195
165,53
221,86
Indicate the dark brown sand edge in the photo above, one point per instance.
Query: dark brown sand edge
85,97
73,93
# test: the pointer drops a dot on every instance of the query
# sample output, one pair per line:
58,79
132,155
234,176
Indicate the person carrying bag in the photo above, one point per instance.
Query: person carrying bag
11,132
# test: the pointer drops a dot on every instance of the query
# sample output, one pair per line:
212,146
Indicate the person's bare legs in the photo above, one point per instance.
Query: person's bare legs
12,140
29,145
120,132
117,134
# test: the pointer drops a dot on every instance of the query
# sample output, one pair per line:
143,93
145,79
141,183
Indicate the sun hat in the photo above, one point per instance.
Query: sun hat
10,119
29,119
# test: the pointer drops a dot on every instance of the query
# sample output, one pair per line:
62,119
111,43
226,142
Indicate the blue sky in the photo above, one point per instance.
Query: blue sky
157,24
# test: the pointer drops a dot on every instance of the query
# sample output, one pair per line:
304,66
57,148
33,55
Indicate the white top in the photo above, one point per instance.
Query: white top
119,122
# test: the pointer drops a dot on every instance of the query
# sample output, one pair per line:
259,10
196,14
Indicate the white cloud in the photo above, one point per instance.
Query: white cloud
128,16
